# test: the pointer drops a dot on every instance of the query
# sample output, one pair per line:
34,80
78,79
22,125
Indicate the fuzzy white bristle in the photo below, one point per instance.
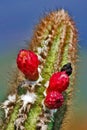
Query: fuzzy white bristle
39,49
44,127
40,58
44,93
12,98
46,41
32,83
43,105
19,122
6,112
52,112
39,69
46,84
29,97
5,103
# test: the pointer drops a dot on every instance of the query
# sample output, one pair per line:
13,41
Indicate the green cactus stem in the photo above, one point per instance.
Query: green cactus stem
58,31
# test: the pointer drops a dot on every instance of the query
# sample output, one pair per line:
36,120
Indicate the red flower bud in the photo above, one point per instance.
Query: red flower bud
54,100
58,82
27,62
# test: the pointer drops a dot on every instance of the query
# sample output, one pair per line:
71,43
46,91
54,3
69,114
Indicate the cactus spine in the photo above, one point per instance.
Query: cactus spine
58,32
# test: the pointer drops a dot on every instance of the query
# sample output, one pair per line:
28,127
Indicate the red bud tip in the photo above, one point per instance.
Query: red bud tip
58,82
27,62
54,100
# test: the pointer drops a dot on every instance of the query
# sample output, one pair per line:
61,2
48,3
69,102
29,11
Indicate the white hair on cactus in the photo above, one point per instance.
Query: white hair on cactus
43,105
5,103
44,127
39,69
46,84
32,83
5,107
40,58
27,98
6,112
45,48
45,94
39,49
47,41
52,112
19,122
12,98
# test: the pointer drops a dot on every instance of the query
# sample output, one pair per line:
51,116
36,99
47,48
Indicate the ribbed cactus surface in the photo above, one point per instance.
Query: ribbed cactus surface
55,43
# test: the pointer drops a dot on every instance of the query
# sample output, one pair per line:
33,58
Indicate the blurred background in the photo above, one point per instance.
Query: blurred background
17,21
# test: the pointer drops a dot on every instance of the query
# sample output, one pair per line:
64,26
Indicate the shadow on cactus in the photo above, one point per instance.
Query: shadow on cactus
44,79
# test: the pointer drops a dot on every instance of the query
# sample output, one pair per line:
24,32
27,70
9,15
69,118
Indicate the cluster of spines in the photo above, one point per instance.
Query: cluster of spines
60,30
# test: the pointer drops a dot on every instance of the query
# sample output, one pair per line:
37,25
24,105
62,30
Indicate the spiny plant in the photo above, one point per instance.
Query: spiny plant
43,84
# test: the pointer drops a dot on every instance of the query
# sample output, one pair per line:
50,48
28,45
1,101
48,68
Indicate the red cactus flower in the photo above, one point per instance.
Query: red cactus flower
54,100
27,62
58,82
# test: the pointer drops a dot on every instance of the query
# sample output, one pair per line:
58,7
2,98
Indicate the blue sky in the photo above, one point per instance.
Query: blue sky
18,18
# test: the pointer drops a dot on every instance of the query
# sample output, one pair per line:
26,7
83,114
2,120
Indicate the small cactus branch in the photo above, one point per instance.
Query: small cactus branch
54,42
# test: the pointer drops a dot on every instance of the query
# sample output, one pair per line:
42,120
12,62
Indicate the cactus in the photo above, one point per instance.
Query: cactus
55,43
